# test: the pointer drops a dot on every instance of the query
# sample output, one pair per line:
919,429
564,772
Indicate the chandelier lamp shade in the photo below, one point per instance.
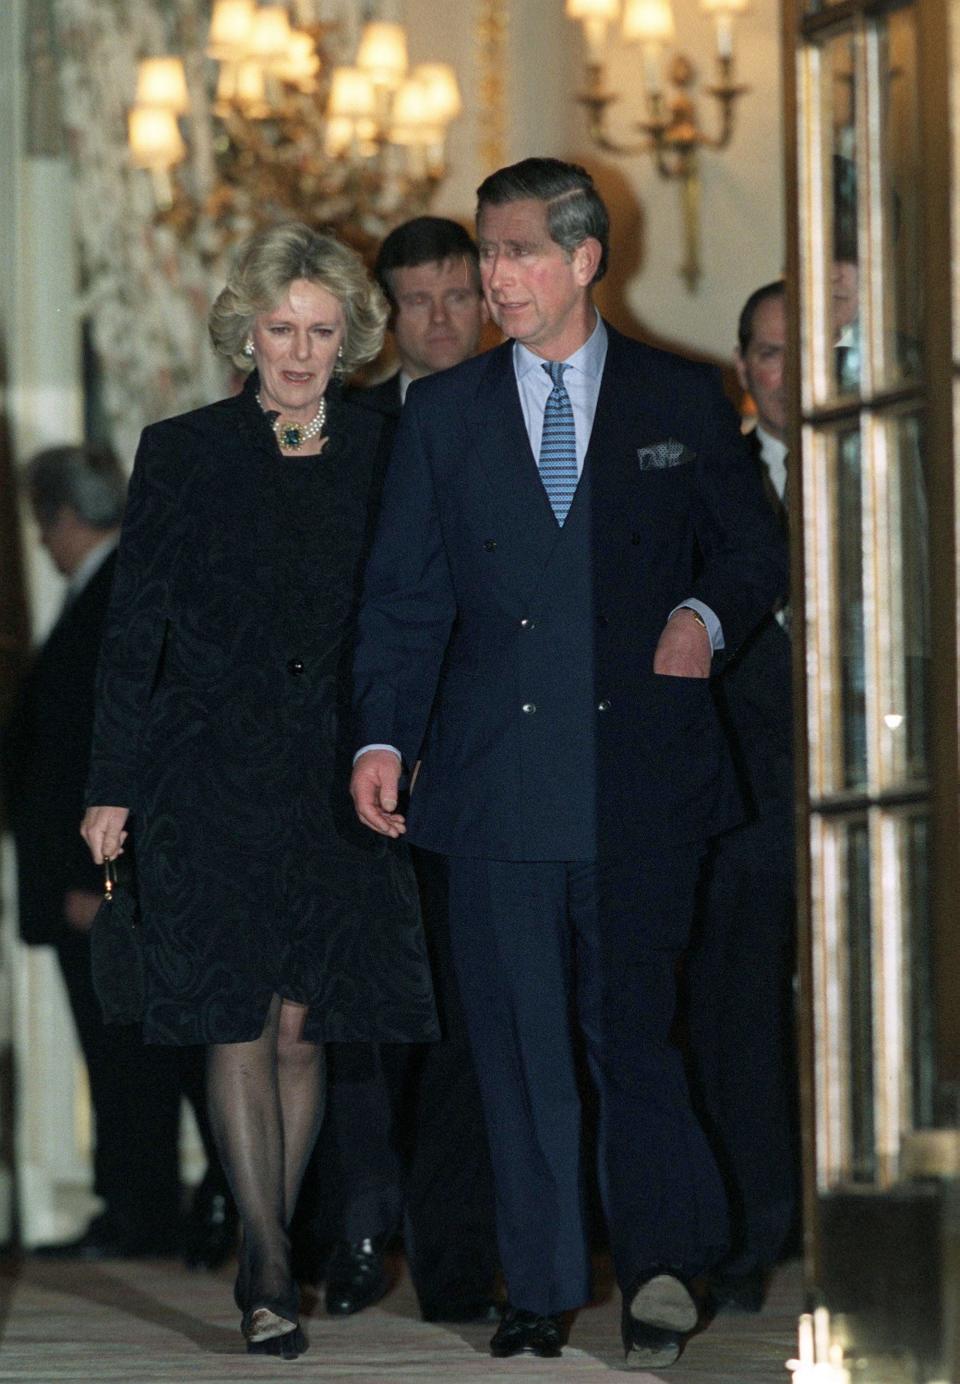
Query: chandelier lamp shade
284,131
671,131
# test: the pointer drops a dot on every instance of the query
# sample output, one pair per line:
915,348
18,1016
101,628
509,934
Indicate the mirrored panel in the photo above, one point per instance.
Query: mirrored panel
860,1006
846,480
898,232
905,597
841,350
918,971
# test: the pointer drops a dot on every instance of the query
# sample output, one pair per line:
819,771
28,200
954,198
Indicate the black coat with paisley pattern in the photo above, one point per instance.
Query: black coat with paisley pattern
223,724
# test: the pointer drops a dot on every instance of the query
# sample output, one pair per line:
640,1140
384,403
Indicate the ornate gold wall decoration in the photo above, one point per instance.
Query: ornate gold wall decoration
492,25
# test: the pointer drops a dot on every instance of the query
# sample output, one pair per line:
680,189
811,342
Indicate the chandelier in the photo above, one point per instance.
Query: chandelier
671,132
286,131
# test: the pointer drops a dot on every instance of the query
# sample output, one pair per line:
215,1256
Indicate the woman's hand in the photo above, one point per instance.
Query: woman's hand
103,830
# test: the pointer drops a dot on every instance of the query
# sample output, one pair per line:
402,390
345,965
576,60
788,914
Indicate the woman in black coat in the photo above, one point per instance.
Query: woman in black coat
273,922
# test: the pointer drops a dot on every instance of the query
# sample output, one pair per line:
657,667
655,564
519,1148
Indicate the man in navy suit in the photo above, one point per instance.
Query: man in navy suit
740,971
403,1141
572,537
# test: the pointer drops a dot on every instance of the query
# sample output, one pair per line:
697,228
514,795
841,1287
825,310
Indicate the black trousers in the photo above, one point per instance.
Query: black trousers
541,949
135,1094
740,1025
404,1144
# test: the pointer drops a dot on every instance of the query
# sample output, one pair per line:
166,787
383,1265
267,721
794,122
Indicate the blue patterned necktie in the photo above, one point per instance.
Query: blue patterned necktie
558,445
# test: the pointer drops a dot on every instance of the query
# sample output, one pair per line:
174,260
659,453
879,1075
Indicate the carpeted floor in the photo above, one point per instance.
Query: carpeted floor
132,1321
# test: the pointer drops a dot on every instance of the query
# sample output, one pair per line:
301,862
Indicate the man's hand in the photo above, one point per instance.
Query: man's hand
684,650
79,908
103,830
373,788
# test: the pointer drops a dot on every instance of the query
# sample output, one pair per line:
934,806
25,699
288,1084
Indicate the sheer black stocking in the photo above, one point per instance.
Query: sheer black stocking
266,1100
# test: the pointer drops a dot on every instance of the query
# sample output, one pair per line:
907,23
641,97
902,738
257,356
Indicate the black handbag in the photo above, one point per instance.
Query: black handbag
116,946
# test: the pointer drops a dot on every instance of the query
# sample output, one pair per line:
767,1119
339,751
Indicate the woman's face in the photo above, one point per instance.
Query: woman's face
295,348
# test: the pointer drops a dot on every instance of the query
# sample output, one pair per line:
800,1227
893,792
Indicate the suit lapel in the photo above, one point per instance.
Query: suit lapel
512,503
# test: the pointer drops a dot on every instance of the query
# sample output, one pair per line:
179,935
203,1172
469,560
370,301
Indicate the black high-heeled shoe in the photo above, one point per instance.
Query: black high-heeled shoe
270,1325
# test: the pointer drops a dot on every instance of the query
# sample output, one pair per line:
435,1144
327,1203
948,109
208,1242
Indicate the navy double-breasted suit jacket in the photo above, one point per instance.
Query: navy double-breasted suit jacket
514,658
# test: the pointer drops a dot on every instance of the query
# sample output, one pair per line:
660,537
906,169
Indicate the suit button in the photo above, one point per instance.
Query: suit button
295,667
636,539
602,621
526,624
529,708
604,705
490,544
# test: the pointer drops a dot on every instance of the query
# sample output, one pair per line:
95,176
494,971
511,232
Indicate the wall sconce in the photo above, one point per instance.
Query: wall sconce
288,133
672,134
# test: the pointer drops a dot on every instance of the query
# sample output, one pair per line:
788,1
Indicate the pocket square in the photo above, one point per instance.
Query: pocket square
663,454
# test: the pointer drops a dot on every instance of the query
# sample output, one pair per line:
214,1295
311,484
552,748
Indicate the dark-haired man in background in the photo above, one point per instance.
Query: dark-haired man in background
740,971
404,1140
77,494
571,531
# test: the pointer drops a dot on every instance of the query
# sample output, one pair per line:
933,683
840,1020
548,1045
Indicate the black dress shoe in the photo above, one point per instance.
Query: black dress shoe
105,1238
526,1333
356,1276
659,1315
211,1230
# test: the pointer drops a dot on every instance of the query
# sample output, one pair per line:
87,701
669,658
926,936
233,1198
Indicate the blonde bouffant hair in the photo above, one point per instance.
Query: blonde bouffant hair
269,262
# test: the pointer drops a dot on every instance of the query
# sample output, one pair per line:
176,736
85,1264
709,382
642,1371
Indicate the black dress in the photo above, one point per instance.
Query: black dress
223,723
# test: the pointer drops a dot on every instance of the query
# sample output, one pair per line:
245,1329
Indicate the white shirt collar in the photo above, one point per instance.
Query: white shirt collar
588,358
772,449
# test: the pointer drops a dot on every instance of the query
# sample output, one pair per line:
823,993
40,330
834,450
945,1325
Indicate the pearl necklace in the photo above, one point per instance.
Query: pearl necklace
294,435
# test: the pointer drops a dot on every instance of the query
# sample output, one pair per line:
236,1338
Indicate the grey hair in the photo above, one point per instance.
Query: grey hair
575,210
85,478
265,267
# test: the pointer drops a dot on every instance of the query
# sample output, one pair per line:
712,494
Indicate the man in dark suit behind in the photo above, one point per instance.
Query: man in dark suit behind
403,1139
77,494
572,535
740,970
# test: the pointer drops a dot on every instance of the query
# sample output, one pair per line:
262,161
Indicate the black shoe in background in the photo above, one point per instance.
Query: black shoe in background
107,1238
356,1276
210,1234
526,1333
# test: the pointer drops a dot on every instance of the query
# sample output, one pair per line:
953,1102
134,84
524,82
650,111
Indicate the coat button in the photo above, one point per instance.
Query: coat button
603,621
490,544
604,705
529,708
295,667
636,539
526,624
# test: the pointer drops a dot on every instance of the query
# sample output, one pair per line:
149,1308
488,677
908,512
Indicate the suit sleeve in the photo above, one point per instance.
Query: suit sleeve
136,624
408,605
745,568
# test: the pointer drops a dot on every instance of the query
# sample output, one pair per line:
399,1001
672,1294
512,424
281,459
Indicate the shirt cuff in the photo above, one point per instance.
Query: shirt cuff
392,748
714,628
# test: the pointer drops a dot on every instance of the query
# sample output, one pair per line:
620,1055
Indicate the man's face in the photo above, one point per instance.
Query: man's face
844,294
66,538
536,292
761,366
439,315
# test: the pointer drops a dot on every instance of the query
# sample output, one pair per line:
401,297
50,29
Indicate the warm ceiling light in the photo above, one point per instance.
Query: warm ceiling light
300,63
351,93
269,34
383,52
443,93
648,21
154,138
230,26
593,9
161,82
412,119
250,89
